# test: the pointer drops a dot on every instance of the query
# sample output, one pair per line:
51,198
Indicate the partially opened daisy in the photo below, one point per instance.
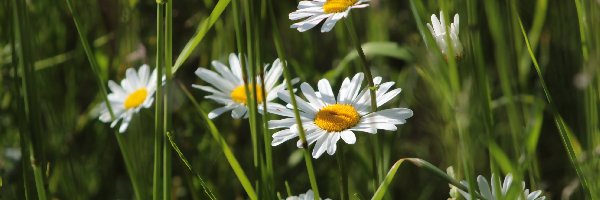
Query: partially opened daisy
438,30
489,192
313,12
135,92
309,195
326,119
228,86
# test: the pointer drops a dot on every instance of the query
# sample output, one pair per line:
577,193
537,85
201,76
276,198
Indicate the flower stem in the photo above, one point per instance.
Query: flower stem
372,92
103,91
343,173
158,124
166,114
288,81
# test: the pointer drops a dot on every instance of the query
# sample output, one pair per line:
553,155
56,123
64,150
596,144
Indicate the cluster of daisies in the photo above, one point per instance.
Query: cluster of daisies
325,117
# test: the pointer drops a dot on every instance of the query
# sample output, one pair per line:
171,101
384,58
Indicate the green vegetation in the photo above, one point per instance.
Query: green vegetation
516,93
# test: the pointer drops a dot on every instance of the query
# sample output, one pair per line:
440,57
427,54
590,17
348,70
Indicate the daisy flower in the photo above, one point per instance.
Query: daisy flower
309,195
438,30
135,92
228,86
314,11
326,119
488,192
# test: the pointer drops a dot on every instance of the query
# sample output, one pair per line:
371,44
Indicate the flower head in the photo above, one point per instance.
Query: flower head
326,119
489,192
228,86
438,30
309,195
135,92
314,11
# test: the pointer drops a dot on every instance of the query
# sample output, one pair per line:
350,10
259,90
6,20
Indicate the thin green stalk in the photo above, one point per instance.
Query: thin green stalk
20,52
559,122
379,194
349,23
158,124
168,53
233,163
30,126
187,164
288,81
343,173
94,65
248,73
267,165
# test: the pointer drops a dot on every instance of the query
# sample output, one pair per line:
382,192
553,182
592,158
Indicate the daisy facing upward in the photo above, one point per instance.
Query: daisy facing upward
316,11
326,119
228,86
135,92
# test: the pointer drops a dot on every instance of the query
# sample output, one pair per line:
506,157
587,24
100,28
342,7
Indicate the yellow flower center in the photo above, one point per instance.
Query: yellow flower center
337,117
337,6
136,98
238,94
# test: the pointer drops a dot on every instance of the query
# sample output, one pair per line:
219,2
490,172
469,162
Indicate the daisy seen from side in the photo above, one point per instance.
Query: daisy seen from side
439,30
135,92
326,119
488,191
312,12
228,87
309,195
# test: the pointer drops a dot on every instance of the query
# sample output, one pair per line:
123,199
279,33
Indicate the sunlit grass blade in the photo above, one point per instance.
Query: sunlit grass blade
200,33
159,107
205,188
422,164
95,68
277,40
558,120
235,165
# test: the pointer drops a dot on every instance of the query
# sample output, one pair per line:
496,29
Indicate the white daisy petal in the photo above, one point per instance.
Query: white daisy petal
311,96
214,79
488,191
226,72
321,146
348,137
216,112
326,92
238,112
333,143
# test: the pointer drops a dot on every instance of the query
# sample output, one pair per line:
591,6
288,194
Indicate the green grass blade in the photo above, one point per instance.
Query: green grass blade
277,40
235,165
568,143
380,193
200,33
206,189
158,111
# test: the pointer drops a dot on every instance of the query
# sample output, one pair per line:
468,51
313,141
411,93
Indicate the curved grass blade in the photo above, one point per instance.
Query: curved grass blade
207,190
235,165
568,143
380,193
200,33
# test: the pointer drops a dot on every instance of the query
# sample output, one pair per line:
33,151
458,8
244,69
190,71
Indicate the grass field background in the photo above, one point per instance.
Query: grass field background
488,112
